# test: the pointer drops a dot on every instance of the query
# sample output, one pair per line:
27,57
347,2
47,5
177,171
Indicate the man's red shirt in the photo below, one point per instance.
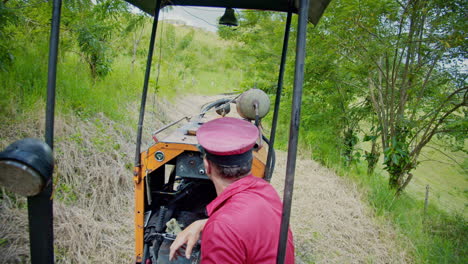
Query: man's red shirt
244,224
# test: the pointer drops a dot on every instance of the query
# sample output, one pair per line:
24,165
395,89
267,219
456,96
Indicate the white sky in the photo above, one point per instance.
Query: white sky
202,17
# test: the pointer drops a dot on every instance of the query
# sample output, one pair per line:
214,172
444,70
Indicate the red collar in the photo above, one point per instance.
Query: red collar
234,188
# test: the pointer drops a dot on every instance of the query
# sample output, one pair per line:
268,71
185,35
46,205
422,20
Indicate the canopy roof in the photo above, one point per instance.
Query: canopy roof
316,9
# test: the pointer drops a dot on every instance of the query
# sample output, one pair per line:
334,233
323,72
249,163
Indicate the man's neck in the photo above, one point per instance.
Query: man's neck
221,183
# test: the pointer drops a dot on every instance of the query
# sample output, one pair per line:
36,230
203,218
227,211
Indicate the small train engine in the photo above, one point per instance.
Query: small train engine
171,186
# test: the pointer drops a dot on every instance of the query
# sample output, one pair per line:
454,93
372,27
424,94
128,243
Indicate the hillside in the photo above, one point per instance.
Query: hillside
340,214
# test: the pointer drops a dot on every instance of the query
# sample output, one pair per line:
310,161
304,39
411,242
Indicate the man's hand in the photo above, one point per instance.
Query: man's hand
189,236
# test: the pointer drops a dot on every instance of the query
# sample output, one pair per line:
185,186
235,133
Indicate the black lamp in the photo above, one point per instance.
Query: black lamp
229,18
26,166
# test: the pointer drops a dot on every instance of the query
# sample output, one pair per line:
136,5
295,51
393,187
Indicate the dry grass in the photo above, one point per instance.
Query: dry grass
94,197
93,208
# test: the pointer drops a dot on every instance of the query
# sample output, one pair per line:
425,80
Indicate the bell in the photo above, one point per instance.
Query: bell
252,103
229,18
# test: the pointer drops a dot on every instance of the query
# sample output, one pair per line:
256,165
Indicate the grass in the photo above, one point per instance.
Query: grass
437,236
447,177
201,66
93,192
204,66
448,181
25,83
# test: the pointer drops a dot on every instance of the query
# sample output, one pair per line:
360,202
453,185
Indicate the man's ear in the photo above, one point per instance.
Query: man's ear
208,167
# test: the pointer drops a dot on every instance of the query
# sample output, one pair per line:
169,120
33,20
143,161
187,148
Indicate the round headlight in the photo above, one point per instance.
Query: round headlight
26,166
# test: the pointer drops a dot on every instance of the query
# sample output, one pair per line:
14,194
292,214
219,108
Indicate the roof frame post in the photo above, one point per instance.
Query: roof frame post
40,207
279,89
294,128
145,83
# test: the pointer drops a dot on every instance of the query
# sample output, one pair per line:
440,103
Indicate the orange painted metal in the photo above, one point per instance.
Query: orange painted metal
139,217
149,164
170,150
258,163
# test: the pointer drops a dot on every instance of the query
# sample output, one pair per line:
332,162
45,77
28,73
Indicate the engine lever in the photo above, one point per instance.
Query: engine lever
168,236
172,237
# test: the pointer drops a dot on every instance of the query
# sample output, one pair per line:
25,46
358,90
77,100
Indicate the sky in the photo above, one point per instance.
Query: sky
202,17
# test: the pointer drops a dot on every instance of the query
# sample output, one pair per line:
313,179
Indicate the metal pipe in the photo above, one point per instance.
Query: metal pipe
145,83
171,124
52,72
279,90
294,128
40,207
41,229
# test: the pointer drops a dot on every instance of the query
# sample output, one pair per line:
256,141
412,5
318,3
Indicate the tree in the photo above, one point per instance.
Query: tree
412,49
94,26
396,66
332,100
258,47
135,26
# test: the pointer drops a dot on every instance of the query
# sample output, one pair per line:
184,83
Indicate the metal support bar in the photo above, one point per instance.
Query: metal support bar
171,124
41,227
294,128
145,83
279,90
40,207
52,72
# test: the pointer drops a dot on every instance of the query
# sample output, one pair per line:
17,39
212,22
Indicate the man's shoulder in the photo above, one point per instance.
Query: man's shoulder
250,206
260,185
263,192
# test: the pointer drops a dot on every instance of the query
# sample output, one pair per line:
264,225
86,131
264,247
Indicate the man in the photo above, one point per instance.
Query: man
244,220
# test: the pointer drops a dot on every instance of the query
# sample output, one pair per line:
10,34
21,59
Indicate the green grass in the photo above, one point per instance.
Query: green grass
434,236
201,66
25,83
205,66
78,92
448,181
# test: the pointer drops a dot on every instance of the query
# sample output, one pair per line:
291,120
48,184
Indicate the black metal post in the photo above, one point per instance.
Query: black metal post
279,90
40,207
145,83
294,128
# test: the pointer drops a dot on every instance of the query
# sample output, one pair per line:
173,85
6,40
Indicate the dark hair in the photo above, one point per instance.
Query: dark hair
233,171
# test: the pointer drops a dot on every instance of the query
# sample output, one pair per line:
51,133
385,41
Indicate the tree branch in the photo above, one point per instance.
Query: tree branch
381,114
427,136
424,86
436,112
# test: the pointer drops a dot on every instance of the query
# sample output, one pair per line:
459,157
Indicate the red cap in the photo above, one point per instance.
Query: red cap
227,136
